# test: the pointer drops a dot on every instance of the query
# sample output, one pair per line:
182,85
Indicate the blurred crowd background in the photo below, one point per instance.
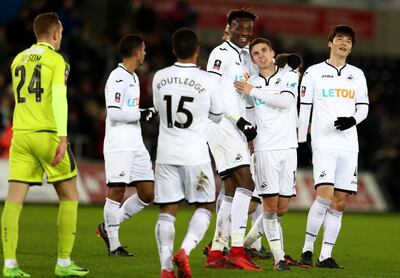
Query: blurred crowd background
93,28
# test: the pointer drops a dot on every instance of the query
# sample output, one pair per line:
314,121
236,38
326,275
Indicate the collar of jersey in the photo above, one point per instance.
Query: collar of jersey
46,44
185,65
122,66
234,46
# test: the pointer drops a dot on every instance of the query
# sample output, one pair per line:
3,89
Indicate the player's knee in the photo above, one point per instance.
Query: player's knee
338,204
147,197
282,211
116,193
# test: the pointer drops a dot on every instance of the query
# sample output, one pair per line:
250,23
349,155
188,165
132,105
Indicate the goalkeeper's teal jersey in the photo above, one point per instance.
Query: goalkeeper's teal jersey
34,72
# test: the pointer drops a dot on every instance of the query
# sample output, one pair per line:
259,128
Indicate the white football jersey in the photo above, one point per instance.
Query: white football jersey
230,63
122,92
184,96
276,127
333,92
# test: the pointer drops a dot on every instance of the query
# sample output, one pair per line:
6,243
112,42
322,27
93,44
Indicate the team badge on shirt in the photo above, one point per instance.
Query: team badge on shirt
217,64
303,91
117,97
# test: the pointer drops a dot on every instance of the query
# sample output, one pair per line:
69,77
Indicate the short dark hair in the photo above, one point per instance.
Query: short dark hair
184,42
240,13
130,43
43,23
257,41
343,30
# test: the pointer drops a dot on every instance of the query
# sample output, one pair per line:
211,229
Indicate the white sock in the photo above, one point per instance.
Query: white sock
197,228
10,263
271,228
220,198
111,221
130,207
332,224
223,225
315,218
165,234
239,215
64,262
256,232
280,232
254,216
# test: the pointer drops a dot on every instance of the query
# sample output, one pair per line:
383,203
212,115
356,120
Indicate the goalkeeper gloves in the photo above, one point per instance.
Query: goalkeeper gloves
343,123
148,115
247,128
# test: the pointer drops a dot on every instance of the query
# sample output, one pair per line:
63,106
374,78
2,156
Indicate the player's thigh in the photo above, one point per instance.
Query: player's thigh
168,185
346,172
267,173
45,145
287,179
24,165
228,148
67,190
142,168
324,167
199,183
118,166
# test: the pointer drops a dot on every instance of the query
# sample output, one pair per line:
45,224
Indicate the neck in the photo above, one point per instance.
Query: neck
130,64
190,60
337,61
47,41
267,72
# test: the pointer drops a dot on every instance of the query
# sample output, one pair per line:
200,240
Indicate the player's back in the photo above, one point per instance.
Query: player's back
182,96
34,72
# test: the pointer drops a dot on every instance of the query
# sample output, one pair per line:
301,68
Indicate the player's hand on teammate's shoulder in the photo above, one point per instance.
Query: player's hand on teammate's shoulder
148,115
293,60
243,87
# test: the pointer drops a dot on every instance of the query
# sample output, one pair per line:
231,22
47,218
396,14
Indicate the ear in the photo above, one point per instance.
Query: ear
329,44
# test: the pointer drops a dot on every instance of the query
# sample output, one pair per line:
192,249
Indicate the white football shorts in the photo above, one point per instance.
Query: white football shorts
338,168
174,183
275,172
228,147
127,167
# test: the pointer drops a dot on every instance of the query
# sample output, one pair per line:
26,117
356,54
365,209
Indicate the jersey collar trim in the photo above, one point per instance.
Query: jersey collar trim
185,65
339,71
47,45
236,48
267,79
120,65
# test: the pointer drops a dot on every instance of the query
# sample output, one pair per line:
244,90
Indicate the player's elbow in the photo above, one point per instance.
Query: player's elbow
216,118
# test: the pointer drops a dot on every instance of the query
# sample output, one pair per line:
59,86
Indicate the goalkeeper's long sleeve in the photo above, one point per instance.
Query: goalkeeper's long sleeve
60,108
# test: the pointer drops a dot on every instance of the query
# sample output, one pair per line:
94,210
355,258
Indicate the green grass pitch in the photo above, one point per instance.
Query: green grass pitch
368,245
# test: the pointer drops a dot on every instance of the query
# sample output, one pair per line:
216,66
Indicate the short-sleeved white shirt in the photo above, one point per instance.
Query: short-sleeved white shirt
184,96
276,127
122,91
333,92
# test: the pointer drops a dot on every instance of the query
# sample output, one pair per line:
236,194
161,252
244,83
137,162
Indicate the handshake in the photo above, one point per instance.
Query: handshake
148,115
